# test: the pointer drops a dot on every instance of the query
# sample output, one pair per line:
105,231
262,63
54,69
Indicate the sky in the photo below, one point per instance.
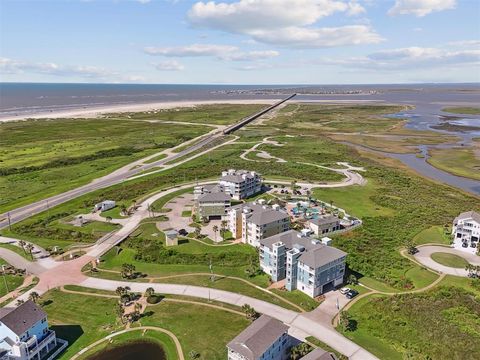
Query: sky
240,41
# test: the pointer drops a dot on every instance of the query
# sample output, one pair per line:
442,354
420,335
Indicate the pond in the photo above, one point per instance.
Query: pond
144,350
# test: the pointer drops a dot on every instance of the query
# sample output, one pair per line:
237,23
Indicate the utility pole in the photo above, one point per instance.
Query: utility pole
212,276
9,221
4,279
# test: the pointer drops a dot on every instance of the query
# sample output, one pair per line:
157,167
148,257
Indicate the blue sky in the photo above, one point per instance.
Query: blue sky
240,41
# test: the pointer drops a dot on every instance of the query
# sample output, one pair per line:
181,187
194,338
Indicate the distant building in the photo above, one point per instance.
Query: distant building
466,227
171,237
324,224
319,354
241,184
104,205
211,201
24,333
252,222
265,339
305,263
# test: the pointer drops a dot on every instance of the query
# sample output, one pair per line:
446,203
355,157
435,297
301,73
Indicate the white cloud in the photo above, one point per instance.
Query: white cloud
11,66
409,58
222,52
463,43
420,7
284,22
169,65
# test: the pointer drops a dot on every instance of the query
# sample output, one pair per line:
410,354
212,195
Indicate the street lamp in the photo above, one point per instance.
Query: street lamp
4,278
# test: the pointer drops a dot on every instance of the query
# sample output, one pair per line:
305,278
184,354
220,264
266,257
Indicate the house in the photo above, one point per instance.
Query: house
24,333
266,339
305,263
252,222
466,227
241,184
211,201
324,224
104,206
319,354
171,237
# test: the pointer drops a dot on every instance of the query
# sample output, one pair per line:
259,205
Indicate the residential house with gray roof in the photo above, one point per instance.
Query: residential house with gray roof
466,228
241,184
24,333
265,339
305,263
211,201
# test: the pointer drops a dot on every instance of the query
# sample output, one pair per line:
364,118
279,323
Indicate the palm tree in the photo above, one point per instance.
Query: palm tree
34,296
149,292
128,270
119,311
123,209
22,245
223,228
215,230
197,232
30,248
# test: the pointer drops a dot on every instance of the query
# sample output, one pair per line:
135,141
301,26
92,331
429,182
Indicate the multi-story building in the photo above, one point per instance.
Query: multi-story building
211,201
252,222
265,339
305,263
324,224
24,333
466,227
241,184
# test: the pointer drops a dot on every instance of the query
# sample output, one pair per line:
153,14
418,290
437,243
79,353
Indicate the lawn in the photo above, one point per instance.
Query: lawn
418,325
83,319
356,200
11,281
420,277
450,260
434,234
457,161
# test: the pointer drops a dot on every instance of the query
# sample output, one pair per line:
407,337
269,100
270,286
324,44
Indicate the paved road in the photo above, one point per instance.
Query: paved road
122,174
424,253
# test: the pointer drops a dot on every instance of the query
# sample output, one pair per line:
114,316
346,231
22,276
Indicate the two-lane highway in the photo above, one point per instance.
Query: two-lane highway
120,175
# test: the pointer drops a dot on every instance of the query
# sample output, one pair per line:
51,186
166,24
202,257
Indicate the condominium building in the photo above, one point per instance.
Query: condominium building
252,222
211,201
241,184
24,333
265,339
324,224
466,227
305,263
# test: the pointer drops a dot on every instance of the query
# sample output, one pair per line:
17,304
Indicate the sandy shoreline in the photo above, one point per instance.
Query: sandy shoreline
93,112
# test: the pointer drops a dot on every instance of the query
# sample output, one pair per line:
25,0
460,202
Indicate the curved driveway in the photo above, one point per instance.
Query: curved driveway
424,254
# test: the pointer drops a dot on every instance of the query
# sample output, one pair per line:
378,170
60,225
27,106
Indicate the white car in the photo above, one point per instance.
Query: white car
344,290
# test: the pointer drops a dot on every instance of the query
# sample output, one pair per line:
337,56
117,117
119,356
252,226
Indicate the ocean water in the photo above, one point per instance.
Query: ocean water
20,99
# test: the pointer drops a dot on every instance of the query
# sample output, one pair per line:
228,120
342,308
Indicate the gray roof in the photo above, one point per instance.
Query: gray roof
214,197
321,255
325,220
237,177
468,215
23,317
289,238
319,354
262,216
258,337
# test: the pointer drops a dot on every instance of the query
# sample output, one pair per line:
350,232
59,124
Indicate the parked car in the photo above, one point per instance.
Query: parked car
464,244
344,290
473,245
351,294
182,232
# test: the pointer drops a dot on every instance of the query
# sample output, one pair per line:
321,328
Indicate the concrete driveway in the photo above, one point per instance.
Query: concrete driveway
175,219
424,257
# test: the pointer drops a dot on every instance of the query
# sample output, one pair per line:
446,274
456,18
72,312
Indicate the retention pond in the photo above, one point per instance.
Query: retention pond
144,350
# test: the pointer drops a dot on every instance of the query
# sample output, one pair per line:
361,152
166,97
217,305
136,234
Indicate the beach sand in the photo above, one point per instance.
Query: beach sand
94,112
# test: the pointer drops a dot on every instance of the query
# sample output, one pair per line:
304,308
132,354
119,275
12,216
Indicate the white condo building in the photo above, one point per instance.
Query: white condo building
241,184
466,227
252,222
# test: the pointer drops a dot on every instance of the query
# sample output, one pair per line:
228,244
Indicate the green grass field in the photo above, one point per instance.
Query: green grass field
10,282
434,234
450,260
463,110
83,319
457,161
